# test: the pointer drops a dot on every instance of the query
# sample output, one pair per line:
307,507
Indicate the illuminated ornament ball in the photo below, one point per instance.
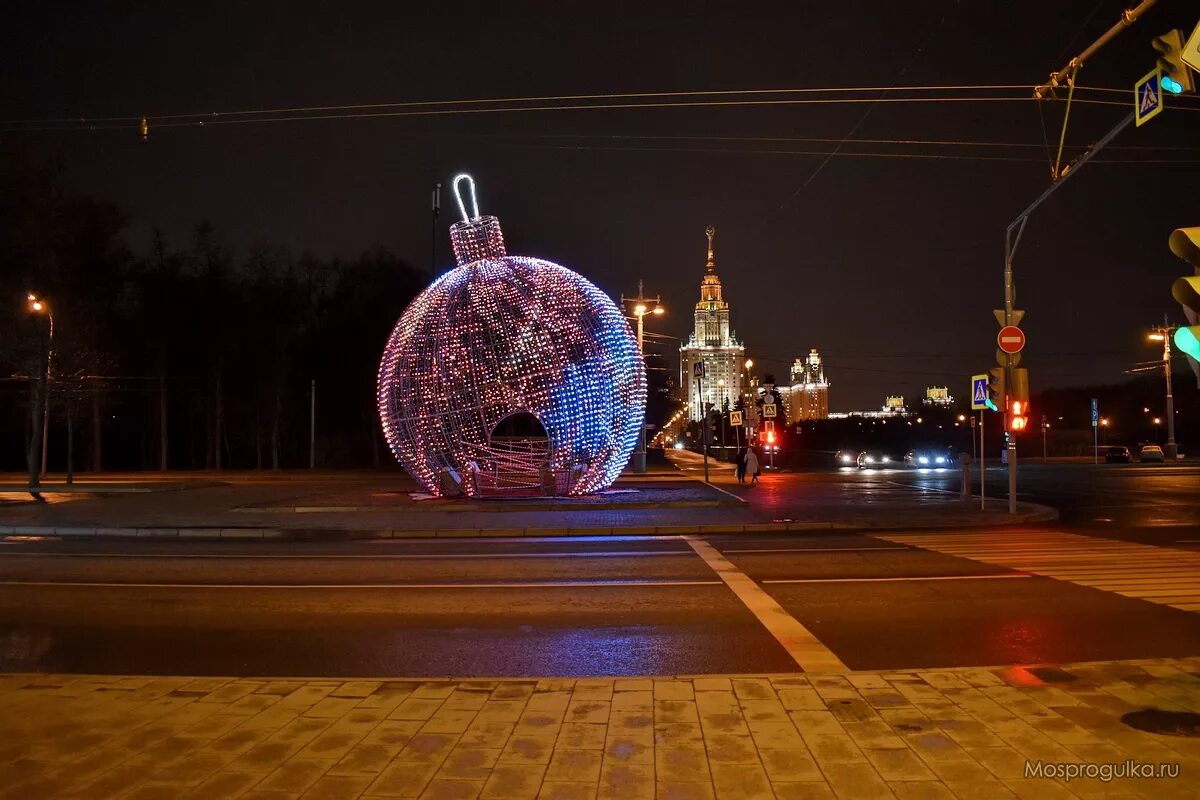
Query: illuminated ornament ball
510,375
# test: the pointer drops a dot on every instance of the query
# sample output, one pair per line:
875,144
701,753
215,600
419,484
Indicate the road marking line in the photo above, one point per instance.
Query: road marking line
366,556
522,585
811,549
1145,572
905,578
805,649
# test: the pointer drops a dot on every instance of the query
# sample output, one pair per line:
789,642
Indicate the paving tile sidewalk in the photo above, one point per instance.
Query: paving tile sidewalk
947,733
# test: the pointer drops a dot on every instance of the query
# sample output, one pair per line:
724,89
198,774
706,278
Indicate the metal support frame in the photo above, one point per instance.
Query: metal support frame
1012,240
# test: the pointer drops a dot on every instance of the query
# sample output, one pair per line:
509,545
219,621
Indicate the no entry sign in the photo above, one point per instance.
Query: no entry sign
1011,339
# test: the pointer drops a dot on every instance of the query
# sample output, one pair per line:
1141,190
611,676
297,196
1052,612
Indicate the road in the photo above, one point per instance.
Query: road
1156,503
1118,578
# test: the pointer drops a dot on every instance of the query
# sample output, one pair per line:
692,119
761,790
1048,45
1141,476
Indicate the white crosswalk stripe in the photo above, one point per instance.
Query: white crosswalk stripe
1160,575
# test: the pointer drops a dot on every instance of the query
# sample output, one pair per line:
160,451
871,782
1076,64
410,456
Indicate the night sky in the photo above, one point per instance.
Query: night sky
890,266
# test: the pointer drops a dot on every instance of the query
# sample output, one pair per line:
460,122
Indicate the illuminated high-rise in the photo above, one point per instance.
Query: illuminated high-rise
712,343
808,395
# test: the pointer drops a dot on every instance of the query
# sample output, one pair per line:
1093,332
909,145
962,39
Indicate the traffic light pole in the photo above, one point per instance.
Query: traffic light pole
703,425
982,467
1171,448
1012,239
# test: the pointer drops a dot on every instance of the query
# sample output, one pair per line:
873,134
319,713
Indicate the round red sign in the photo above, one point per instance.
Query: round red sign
1011,339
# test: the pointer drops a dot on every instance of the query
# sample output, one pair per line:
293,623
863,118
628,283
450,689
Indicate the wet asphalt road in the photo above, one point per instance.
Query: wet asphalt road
1153,503
611,606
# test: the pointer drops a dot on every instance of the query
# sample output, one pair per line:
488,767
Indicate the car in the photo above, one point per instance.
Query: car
1151,452
1117,455
928,458
874,459
846,458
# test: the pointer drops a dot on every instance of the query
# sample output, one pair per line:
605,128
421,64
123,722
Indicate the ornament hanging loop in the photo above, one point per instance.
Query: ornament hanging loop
458,196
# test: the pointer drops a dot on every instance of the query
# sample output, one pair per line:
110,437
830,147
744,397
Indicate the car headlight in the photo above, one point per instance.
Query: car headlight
923,459
846,459
884,459
941,460
869,460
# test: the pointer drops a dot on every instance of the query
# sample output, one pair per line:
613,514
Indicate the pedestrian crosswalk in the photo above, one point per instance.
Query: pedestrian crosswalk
1160,575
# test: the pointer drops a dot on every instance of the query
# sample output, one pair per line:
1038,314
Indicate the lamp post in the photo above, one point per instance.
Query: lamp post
640,310
40,306
1163,334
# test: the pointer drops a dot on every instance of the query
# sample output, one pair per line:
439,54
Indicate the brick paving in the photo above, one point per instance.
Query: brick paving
946,733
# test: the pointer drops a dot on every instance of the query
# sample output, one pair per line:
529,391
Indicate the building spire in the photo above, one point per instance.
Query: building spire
712,264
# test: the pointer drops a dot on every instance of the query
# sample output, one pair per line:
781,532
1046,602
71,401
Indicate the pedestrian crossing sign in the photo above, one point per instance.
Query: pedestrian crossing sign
1147,97
735,418
979,392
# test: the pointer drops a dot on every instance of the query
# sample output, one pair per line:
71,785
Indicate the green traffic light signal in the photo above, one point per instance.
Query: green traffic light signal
1188,340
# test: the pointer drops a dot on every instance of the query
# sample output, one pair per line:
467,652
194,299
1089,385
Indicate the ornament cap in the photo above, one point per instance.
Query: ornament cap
477,239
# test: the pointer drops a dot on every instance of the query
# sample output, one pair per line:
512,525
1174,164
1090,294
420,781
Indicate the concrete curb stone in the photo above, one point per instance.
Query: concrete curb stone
1037,514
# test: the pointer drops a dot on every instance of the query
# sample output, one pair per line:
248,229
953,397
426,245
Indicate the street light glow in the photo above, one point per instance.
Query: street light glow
1156,337
659,310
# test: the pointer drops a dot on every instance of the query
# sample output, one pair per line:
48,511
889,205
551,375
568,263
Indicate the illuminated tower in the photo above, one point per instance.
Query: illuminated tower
808,396
712,343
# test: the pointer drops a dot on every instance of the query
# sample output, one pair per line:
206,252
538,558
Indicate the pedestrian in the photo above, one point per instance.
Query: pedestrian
752,465
741,465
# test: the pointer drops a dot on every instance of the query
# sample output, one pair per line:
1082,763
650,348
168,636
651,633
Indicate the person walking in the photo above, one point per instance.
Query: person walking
741,465
752,465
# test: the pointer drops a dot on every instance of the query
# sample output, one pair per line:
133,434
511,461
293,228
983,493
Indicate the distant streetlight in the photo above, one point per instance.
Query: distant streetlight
1163,334
40,306
640,309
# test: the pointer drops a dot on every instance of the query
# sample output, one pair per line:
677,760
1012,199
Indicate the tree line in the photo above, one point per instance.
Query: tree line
189,356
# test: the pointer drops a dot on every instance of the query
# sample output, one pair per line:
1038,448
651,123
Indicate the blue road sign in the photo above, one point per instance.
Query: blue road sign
698,369
1147,97
1095,411
979,392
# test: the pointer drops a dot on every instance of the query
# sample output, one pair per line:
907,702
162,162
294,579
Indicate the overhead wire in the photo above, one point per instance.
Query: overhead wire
580,102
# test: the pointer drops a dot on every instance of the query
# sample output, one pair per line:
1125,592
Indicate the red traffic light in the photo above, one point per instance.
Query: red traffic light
1018,419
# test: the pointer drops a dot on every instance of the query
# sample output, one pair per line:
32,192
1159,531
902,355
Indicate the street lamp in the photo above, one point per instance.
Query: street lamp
640,310
1163,334
39,306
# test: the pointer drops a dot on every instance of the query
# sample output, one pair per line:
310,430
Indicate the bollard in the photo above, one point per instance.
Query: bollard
964,460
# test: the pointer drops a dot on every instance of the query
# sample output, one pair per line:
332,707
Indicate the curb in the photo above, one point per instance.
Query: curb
737,502
1038,515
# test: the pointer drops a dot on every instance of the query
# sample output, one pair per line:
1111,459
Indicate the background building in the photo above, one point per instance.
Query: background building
808,395
938,396
712,342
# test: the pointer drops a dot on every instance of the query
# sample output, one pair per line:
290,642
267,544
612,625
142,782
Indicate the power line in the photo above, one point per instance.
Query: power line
528,99
501,105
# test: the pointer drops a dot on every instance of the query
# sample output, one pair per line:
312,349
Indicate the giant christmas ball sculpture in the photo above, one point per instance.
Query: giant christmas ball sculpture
510,375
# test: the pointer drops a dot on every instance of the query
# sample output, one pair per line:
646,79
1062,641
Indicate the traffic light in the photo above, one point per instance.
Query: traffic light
996,392
1176,77
1018,406
1018,416
711,420
1185,243
1187,337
